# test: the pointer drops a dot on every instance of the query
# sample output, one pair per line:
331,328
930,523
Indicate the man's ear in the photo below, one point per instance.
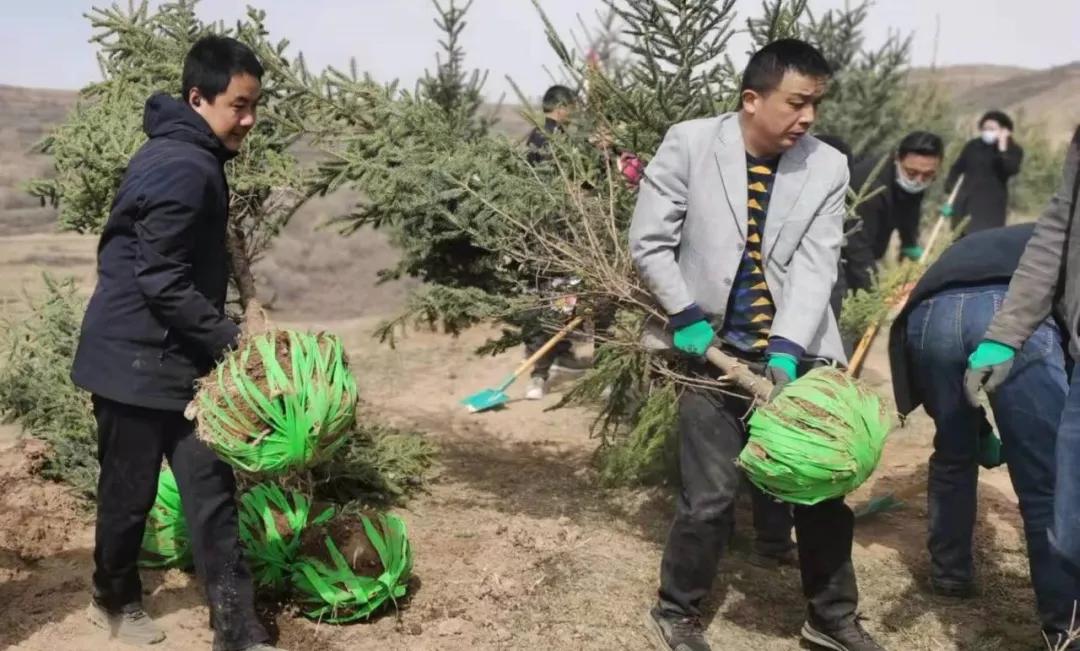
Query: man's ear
195,98
750,99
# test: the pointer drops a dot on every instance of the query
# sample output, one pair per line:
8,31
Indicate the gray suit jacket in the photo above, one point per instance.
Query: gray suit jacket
689,228
1048,274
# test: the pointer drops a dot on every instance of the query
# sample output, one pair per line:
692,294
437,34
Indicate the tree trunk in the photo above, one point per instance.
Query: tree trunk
241,265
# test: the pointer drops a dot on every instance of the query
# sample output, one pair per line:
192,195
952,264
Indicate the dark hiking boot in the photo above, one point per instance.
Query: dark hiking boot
676,633
130,624
848,635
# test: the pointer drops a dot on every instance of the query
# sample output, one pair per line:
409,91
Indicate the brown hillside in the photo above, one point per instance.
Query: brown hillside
1049,97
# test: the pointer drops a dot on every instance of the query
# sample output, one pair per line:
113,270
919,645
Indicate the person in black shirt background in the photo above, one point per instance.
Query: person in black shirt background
559,104
987,163
904,180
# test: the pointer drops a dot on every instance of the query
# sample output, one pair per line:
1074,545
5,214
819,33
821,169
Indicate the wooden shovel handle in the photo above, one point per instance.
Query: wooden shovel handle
546,348
759,387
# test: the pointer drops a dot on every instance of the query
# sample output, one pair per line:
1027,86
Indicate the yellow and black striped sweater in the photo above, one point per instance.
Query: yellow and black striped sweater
750,306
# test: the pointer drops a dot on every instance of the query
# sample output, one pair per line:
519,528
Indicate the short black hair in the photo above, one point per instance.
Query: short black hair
922,143
997,116
557,97
767,67
837,143
212,62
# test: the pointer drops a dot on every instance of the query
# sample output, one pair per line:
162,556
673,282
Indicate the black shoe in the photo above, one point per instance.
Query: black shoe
848,635
675,633
954,589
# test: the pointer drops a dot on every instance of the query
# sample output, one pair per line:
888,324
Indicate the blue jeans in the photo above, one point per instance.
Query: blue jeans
942,332
1066,533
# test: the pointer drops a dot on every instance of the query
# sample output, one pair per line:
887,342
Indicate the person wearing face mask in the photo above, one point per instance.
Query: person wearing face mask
896,205
987,162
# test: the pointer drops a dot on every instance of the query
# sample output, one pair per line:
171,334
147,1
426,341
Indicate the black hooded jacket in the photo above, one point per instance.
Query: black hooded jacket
156,321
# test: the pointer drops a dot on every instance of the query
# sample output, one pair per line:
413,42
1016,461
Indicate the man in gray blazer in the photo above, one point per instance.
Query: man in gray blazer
737,234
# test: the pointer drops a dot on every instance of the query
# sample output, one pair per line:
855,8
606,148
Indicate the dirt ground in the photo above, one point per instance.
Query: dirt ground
516,545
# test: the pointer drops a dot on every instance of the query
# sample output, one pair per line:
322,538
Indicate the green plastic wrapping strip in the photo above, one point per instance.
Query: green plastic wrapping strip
166,542
336,595
304,413
820,439
269,553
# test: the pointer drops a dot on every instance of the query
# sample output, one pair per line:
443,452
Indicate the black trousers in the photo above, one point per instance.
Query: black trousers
711,435
131,443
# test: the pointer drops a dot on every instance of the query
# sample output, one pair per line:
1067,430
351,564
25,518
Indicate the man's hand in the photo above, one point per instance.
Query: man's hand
988,367
780,370
694,339
191,412
914,253
1003,139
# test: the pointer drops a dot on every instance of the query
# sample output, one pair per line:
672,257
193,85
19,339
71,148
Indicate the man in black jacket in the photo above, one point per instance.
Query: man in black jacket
987,163
559,104
929,345
896,205
155,324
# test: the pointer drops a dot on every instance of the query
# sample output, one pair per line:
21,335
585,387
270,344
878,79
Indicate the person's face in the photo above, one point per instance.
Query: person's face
231,114
990,126
785,114
564,113
919,167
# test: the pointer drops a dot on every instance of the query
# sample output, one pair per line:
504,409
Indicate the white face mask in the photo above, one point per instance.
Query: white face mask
990,136
910,186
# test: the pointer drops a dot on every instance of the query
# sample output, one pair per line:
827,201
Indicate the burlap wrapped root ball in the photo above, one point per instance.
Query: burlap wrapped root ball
350,567
820,439
281,401
166,541
271,523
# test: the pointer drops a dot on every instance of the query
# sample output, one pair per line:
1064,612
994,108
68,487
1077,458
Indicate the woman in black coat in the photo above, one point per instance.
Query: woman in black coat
986,162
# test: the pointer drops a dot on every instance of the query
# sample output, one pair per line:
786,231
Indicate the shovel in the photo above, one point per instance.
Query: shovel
491,398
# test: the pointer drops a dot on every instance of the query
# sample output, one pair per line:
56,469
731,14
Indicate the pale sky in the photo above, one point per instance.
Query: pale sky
44,43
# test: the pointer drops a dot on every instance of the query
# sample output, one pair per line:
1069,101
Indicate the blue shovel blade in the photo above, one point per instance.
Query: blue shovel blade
486,399
881,504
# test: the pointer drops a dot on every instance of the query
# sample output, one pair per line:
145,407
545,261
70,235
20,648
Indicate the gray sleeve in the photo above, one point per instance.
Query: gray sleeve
1034,285
656,228
813,269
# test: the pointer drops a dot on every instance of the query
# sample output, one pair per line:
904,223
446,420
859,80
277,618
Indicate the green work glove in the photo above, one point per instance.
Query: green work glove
947,210
694,339
912,253
988,367
780,370
989,449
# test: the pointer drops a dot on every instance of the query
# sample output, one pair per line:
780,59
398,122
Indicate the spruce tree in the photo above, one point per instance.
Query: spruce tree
483,228
141,52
